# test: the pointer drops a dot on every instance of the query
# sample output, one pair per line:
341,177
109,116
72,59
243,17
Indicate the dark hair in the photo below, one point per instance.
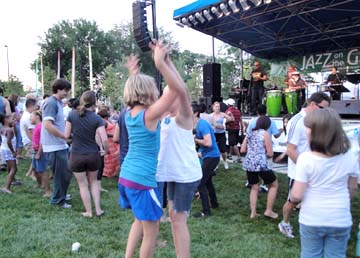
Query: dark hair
30,103
335,67
38,114
196,109
263,122
1,91
202,107
74,103
261,109
288,117
60,84
327,135
14,99
318,97
104,113
87,100
2,118
46,96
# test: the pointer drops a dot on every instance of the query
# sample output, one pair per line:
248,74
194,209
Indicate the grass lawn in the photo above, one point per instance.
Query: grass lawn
30,227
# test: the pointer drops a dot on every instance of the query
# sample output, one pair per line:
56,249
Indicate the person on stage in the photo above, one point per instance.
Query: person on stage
335,80
298,84
258,76
291,69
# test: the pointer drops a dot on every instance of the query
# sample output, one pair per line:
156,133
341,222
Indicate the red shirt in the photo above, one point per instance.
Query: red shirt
234,125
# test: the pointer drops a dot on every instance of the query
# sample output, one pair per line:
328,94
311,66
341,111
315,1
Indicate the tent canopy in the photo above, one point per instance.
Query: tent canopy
279,29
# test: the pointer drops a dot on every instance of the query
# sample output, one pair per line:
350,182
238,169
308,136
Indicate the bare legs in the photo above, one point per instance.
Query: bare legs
150,230
270,200
287,210
84,179
180,232
42,177
11,164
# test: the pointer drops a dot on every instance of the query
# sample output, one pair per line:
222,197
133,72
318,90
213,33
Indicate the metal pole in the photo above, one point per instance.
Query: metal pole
7,56
156,36
213,50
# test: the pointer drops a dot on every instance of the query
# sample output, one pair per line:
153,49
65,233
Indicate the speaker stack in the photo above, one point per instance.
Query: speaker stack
141,32
212,82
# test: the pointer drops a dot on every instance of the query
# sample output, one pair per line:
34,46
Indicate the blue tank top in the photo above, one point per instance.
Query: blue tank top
140,163
2,106
219,121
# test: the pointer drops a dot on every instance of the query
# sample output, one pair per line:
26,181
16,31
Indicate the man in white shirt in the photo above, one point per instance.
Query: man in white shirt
297,143
66,108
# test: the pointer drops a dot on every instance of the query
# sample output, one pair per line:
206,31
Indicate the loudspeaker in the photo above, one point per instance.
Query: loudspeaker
140,29
346,107
212,80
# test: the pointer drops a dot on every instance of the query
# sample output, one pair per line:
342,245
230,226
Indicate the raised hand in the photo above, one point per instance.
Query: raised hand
132,62
160,53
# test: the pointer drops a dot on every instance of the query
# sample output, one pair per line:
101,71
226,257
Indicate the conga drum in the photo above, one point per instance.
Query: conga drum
291,101
273,102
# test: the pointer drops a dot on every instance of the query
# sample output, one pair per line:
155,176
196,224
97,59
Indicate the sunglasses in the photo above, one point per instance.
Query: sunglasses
321,107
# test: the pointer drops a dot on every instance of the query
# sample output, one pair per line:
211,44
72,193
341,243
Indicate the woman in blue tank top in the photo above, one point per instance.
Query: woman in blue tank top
137,182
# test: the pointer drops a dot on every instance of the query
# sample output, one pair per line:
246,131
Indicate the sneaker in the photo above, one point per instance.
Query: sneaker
201,215
286,229
66,206
263,189
68,197
226,165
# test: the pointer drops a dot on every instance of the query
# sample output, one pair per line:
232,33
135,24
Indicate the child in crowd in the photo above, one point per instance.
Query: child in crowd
8,149
258,148
39,161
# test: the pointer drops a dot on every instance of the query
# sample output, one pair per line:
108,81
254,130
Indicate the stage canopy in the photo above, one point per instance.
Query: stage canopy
278,29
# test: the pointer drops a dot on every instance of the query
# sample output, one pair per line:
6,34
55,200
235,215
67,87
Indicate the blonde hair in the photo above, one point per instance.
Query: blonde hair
87,100
327,135
140,89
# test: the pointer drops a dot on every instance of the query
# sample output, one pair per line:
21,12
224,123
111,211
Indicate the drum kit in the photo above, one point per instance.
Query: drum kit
275,98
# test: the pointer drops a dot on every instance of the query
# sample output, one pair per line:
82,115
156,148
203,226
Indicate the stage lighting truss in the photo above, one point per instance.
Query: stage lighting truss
224,8
207,15
244,5
215,11
256,2
233,6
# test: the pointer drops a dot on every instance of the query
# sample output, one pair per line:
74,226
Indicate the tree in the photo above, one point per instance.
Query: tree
49,77
79,33
113,84
14,85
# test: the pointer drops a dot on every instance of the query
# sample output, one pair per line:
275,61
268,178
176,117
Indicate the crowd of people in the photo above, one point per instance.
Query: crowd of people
168,142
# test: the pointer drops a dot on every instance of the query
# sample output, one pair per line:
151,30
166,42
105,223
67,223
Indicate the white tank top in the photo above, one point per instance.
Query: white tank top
4,145
177,160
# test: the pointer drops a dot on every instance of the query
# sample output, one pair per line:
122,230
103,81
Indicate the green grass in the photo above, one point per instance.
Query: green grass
30,227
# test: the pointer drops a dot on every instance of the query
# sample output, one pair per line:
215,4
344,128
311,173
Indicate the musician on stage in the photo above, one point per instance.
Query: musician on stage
335,80
298,84
291,69
258,76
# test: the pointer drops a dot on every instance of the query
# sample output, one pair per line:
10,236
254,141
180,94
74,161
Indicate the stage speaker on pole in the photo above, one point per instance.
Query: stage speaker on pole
141,32
212,80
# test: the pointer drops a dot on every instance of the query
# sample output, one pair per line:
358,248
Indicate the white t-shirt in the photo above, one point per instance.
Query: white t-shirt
66,111
25,122
297,136
177,160
326,200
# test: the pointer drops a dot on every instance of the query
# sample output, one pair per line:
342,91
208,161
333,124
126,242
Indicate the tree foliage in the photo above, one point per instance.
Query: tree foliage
14,85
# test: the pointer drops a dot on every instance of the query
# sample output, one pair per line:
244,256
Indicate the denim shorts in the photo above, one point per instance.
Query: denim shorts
181,194
39,164
317,242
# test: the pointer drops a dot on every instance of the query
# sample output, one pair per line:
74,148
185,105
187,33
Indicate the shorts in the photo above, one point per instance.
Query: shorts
144,204
233,137
7,155
182,194
39,164
84,162
268,177
221,141
291,183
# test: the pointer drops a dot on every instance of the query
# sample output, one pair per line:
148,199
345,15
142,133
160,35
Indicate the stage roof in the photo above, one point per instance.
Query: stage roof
279,29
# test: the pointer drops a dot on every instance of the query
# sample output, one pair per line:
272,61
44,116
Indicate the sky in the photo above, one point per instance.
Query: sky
23,22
